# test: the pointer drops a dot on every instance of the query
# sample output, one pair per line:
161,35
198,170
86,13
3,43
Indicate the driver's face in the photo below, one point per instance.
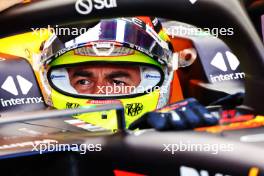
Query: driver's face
92,79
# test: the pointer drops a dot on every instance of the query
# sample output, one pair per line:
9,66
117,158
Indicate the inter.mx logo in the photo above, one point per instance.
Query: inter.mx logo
219,61
85,7
10,86
24,87
232,64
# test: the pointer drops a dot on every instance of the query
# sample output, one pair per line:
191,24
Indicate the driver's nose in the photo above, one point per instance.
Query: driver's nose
101,88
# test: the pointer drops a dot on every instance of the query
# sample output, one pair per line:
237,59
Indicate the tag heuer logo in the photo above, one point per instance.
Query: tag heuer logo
219,61
10,86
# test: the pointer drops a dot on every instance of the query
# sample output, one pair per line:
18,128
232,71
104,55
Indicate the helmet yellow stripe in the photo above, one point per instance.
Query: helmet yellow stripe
71,58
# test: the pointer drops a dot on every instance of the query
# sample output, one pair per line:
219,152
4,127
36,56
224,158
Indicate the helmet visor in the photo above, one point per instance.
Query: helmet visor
105,79
123,31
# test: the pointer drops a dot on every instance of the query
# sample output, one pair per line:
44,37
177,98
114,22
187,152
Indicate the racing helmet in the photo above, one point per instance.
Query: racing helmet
131,60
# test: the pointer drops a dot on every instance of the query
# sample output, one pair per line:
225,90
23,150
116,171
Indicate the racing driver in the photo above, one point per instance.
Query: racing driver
122,60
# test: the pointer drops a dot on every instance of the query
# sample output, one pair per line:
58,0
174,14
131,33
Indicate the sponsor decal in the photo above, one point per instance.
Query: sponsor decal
220,63
30,131
63,51
27,144
9,86
57,76
252,138
86,7
70,105
149,30
138,48
193,1
134,109
154,35
103,102
86,126
148,76
184,171
254,123
20,101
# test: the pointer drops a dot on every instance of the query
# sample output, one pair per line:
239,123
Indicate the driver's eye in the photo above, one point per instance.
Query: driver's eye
83,82
118,82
